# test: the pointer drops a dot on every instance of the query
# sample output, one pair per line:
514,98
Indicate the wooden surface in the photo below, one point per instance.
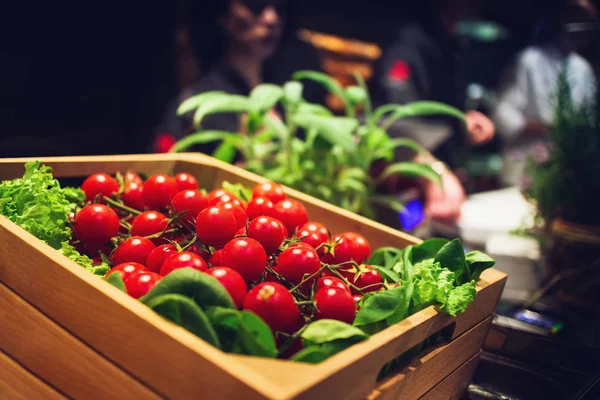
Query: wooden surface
50,352
16,383
173,362
455,384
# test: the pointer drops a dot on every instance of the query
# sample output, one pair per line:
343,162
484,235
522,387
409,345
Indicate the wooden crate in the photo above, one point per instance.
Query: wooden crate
125,345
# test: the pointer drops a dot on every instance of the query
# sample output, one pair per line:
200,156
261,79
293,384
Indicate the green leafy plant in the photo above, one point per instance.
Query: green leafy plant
309,148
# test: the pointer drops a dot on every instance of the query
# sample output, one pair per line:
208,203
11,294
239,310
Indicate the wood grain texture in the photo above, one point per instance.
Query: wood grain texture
59,358
187,365
16,383
454,385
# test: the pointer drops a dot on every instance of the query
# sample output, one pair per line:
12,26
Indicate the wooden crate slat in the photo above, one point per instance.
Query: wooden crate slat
16,383
455,384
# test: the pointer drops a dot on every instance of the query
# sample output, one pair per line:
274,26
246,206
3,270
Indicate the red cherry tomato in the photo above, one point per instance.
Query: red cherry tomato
134,249
335,303
127,269
314,233
216,226
291,213
215,258
275,305
215,195
183,259
192,201
99,184
140,283
271,190
348,246
269,232
132,195
298,262
260,206
241,231
363,249
238,213
133,177
246,256
200,251
96,224
232,281
157,257
331,281
158,191
369,279
186,181
227,199
149,223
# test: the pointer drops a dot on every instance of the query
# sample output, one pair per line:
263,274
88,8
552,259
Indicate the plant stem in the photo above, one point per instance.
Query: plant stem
121,206
309,278
305,303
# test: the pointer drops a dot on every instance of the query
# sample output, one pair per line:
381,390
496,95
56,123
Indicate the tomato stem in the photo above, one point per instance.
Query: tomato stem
308,278
121,206
305,303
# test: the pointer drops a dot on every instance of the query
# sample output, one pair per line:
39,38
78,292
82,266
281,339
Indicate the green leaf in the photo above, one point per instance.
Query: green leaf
432,284
116,280
186,313
388,275
277,126
383,255
292,93
381,111
243,331
390,202
412,170
452,256
367,101
355,95
327,330
327,81
205,290
380,306
201,137
478,262
392,144
311,108
230,103
336,130
227,150
316,353
459,299
264,96
239,190
422,108
69,251
428,249
194,102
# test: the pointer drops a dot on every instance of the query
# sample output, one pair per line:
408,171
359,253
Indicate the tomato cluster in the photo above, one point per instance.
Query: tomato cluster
263,248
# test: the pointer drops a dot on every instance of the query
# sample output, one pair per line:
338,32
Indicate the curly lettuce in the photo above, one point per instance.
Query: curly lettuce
69,251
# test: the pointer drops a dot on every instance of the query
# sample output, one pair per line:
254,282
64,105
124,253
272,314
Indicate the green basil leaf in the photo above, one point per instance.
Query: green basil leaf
381,111
383,255
316,353
427,249
194,102
379,306
336,130
199,138
264,96
186,313
367,101
392,144
403,309
388,275
328,330
230,103
226,151
459,299
205,290
478,262
355,95
311,108
277,126
412,170
292,92
327,81
452,256
425,108
116,280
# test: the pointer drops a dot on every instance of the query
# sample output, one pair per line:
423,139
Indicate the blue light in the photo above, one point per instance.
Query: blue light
412,216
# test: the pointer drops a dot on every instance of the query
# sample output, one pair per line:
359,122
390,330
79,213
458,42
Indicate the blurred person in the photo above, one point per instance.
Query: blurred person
423,63
240,44
525,108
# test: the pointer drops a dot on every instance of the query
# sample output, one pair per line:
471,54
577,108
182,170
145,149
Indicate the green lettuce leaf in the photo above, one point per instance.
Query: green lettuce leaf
83,260
459,299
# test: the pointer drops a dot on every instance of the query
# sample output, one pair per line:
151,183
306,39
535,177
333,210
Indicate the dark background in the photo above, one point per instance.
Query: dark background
94,79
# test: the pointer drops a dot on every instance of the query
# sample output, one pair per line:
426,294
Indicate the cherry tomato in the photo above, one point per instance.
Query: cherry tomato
370,279
99,184
238,213
335,303
216,226
157,257
241,231
132,195
158,191
314,233
268,232
246,256
275,305
357,298
140,283
214,195
363,249
227,199
134,249
331,281
271,190
291,213
186,181
127,269
215,258
149,223
133,177
192,201
260,206
200,251
348,246
183,259
96,224
233,282
296,262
